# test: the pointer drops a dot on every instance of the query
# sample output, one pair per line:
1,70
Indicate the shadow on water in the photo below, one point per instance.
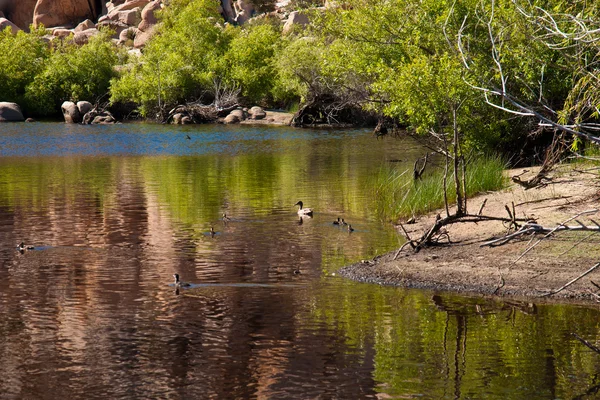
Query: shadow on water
114,212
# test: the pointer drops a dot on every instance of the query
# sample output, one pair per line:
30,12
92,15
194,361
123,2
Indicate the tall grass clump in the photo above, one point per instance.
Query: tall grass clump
398,195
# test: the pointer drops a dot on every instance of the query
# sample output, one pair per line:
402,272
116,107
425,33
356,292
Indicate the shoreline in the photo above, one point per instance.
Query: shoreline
464,267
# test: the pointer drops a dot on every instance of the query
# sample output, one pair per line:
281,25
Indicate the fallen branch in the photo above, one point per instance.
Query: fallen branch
556,229
586,343
572,281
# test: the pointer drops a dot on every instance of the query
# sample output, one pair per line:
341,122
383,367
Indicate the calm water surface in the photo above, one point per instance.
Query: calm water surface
114,211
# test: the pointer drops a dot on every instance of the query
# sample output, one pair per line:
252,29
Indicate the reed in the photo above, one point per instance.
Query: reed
398,196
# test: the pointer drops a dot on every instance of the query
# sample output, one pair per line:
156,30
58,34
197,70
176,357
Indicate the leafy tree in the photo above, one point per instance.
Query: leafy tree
180,62
250,60
73,73
22,57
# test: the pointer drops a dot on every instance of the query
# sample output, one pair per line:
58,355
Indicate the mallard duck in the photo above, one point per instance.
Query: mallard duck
304,211
338,222
226,218
22,247
343,222
350,228
212,231
178,283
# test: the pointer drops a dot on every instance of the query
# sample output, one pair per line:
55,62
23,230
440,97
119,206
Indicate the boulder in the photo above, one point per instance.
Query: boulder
19,12
10,112
4,23
63,12
84,107
239,113
70,112
85,25
61,32
148,16
232,119
98,117
257,113
83,37
116,26
130,17
128,34
296,18
128,5
142,37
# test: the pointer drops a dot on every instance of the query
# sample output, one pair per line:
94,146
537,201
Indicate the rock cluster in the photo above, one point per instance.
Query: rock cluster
132,20
241,114
84,112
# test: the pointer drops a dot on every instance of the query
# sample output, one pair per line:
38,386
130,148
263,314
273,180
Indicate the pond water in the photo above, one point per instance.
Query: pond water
114,211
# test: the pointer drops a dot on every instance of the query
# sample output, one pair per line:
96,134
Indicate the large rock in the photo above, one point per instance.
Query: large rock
257,113
19,12
64,12
83,37
4,23
71,112
87,24
10,112
148,16
142,37
295,19
84,107
232,119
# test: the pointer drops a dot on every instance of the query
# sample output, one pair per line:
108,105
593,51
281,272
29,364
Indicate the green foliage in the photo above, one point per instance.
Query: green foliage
398,195
250,60
73,73
182,59
22,57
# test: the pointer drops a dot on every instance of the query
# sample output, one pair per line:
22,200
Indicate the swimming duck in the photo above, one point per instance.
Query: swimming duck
22,247
179,283
343,222
338,222
212,231
226,218
304,211
350,228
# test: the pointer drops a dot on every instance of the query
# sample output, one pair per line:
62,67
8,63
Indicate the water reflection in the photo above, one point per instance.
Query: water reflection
113,212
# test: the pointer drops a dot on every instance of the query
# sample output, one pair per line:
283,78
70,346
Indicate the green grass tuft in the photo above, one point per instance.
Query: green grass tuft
397,195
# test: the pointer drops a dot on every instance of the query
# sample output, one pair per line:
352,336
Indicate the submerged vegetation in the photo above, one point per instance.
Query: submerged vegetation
400,196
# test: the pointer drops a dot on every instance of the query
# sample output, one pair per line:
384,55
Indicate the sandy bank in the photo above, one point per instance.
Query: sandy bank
465,266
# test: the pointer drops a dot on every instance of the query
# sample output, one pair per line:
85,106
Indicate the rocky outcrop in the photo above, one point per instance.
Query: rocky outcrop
52,13
10,112
19,12
84,107
257,113
4,23
70,112
295,19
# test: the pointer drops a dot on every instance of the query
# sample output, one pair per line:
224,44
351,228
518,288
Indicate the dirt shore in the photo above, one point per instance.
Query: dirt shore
467,267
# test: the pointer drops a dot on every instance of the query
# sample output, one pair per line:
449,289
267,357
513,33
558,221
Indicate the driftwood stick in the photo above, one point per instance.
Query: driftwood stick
577,243
554,230
586,343
595,284
400,250
482,206
542,200
408,242
504,239
572,281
